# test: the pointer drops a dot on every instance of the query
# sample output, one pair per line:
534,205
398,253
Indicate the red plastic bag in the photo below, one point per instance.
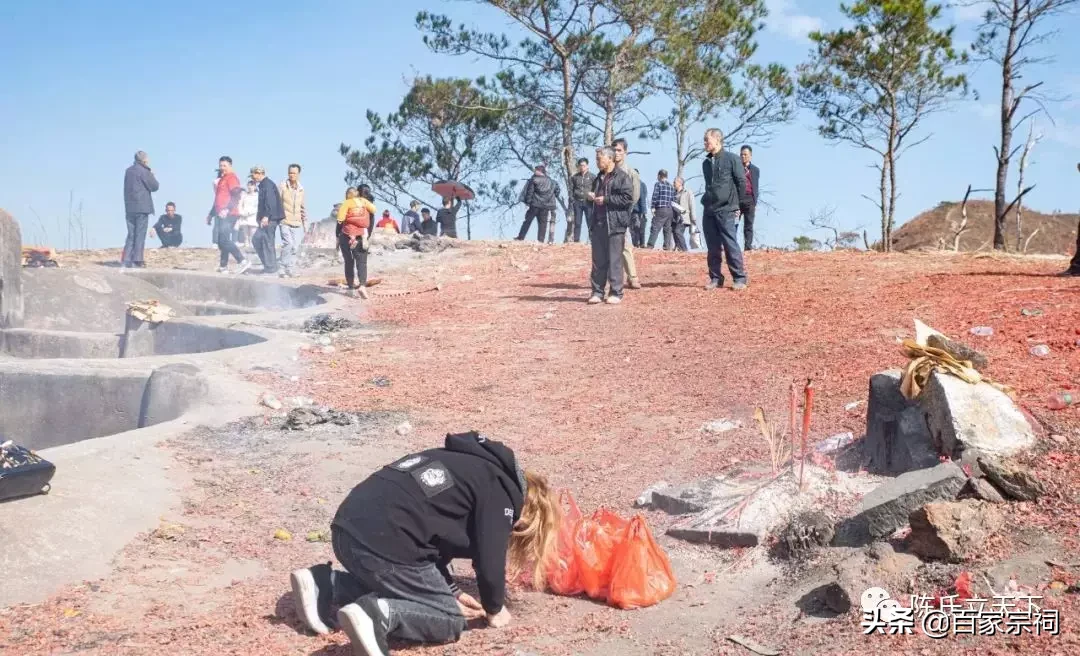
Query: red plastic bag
594,550
562,573
641,575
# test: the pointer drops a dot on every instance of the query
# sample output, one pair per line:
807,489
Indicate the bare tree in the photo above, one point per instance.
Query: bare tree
1009,33
1020,191
962,227
825,219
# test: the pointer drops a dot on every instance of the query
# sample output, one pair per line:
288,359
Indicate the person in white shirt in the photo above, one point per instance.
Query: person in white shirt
685,215
249,207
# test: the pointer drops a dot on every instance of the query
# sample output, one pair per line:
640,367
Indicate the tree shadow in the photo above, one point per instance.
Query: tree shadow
556,285
660,285
1002,274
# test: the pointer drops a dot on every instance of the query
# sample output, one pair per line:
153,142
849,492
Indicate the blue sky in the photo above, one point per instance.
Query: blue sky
276,82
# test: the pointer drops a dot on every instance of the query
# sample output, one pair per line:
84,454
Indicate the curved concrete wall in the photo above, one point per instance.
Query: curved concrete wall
42,408
237,291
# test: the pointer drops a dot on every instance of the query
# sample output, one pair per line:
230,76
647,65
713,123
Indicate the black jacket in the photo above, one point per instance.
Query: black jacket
270,201
139,183
460,501
725,184
617,190
165,222
581,185
541,192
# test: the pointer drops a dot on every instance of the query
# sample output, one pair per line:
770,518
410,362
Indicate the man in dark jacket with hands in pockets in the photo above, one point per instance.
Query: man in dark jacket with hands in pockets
612,197
725,191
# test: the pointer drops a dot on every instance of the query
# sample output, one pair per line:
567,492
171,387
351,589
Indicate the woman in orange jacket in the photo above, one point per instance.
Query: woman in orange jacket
355,218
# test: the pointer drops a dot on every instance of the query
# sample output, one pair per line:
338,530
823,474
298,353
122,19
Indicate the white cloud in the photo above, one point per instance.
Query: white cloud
784,18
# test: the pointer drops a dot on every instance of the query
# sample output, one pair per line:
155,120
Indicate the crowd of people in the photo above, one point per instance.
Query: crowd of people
610,203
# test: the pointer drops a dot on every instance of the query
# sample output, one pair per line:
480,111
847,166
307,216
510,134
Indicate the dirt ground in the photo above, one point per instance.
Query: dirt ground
606,400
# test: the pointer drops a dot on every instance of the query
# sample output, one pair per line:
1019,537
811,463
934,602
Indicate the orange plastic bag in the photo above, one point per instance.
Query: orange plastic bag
562,573
641,574
594,550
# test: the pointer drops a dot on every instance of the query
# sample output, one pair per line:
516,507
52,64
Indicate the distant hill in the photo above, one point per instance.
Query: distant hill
932,230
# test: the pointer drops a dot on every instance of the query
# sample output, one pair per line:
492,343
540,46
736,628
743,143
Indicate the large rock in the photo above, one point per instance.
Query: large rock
981,489
722,490
953,530
959,351
1013,481
856,574
971,420
11,294
898,439
887,508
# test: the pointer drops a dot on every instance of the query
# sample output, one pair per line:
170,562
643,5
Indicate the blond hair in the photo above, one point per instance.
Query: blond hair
532,544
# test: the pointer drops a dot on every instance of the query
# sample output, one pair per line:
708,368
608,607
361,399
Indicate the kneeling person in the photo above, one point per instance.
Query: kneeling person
396,533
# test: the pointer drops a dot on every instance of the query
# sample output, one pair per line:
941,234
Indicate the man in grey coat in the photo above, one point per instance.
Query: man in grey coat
139,184
725,191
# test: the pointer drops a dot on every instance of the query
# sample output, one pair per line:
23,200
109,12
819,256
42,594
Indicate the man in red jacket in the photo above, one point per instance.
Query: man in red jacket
223,215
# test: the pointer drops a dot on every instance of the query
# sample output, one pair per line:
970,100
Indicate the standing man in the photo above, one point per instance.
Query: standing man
270,214
167,228
580,207
292,226
685,215
410,221
641,212
612,197
620,148
663,217
540,197
224,213
447,217
748,206
725,191
139,184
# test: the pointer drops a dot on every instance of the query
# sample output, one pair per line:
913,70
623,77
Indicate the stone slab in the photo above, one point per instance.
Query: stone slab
887,507
11,294
898,439
969,420
727,525
727,488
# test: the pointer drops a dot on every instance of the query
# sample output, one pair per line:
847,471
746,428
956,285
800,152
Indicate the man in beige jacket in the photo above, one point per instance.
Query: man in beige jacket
620,147
292,227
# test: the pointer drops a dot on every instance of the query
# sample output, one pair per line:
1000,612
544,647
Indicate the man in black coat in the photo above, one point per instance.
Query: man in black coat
612,196
539,195
139,184
167,228
725,192
270,215
748,207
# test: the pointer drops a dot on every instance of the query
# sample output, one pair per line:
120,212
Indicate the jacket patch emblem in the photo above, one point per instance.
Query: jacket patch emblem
407,463
433,478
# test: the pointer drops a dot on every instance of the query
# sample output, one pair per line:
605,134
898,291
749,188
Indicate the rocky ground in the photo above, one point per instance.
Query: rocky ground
606,401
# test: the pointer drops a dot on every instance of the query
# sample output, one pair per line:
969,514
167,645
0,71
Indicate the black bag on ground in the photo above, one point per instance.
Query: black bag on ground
23,472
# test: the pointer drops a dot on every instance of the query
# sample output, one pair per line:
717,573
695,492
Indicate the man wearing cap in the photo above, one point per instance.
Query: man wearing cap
139,184
270,215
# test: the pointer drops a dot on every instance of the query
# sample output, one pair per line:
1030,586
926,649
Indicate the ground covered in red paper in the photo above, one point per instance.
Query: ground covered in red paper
605,400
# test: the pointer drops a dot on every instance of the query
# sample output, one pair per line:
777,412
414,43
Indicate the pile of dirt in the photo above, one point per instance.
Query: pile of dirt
936,229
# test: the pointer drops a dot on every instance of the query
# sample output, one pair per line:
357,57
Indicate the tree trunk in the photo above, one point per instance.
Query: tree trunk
884,246
680,137
609,117
1002,179
567,125
468,222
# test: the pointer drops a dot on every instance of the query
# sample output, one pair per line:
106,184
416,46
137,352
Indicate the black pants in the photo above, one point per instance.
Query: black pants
1074,265
580,212
637,229
355,260
224,232
448,229
422,606
607,261
748,225
722,239
661,221
136,238
171,239
678,233
541,215
265,246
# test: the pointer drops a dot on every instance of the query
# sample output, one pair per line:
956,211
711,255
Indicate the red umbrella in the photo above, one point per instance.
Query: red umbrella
452,188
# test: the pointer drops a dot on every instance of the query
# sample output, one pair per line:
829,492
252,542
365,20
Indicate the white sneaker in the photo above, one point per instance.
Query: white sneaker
365,622
595,300
614,300
306,598
223,269
244,266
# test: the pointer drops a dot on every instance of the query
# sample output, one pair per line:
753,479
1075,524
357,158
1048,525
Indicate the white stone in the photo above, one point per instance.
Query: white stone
980,418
